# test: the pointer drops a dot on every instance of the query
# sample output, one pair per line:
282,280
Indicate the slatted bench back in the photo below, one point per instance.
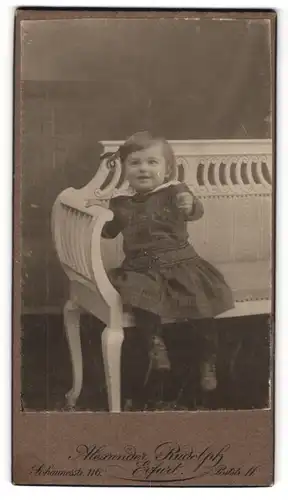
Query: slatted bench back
235,189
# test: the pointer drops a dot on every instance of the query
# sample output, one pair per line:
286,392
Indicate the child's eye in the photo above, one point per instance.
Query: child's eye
153,162
134,162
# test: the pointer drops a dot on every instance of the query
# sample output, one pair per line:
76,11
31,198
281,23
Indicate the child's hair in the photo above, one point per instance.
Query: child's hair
143,140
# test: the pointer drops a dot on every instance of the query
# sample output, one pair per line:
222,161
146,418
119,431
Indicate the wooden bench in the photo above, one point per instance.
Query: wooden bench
233,180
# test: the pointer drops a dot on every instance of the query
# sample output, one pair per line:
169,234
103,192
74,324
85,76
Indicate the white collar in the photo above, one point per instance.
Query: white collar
131,191
163,186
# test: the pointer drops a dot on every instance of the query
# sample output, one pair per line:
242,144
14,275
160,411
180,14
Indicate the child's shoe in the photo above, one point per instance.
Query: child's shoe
158,357
208,375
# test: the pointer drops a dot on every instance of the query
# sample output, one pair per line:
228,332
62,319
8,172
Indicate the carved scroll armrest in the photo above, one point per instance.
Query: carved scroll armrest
77,232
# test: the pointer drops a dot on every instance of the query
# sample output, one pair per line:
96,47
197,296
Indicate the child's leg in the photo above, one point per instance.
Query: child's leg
206,328
149,326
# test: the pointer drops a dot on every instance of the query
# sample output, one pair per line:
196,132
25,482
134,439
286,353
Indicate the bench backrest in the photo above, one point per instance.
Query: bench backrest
233,179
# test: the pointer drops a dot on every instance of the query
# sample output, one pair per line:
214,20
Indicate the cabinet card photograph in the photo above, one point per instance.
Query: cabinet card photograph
143,318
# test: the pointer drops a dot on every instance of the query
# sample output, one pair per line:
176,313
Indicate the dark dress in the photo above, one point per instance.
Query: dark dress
161,272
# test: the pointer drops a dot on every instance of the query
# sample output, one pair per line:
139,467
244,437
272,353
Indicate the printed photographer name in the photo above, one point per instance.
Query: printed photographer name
168,462
163,451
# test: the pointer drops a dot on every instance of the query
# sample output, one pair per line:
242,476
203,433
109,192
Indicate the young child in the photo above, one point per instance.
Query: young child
162,275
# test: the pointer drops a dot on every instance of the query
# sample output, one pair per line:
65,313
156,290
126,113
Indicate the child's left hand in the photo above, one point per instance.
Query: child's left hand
185,202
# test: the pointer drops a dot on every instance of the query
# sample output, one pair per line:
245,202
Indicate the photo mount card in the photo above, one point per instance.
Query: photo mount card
144,247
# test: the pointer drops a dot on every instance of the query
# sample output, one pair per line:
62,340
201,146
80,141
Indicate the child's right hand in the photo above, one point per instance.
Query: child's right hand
98,202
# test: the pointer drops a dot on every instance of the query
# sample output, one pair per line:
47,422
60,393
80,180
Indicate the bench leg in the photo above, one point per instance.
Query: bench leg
72,327
112,340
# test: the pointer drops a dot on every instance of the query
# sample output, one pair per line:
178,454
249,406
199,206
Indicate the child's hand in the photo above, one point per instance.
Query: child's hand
185,202
98,202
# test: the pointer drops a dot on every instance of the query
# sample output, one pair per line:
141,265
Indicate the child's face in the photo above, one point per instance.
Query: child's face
146,169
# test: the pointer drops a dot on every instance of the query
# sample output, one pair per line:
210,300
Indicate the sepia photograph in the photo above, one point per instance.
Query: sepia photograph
147,167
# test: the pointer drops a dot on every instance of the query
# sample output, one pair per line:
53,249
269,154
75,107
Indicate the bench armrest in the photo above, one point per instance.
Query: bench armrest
77,236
